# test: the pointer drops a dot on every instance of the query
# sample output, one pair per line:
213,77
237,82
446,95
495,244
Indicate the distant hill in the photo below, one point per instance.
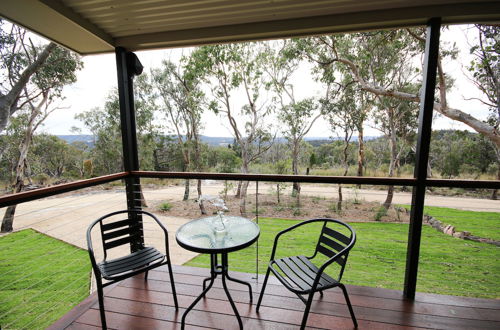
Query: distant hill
88,139
210,140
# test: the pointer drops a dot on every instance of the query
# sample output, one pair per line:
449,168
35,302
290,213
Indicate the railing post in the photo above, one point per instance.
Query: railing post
422,155
128,66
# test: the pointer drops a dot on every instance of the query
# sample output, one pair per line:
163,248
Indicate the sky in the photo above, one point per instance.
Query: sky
99,77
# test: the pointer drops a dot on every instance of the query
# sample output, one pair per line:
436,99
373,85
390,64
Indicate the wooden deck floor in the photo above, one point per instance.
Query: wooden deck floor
139,304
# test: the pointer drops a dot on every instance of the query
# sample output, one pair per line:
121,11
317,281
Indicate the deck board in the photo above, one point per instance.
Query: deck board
135,303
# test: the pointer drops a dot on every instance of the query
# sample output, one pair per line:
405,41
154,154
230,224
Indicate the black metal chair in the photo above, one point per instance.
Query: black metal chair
116,233
301,276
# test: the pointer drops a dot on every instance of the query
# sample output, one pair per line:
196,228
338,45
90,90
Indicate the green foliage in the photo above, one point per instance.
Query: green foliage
447,265
223,160
104,124
42,279
165,206
380,213
455,152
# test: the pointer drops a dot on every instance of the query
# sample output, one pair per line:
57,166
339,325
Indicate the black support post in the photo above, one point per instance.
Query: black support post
422,155
127,66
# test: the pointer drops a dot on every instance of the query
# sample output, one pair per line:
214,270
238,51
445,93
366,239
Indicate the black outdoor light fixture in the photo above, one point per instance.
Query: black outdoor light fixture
134,66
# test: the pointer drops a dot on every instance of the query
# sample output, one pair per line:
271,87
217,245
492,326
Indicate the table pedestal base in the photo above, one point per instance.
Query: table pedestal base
216,269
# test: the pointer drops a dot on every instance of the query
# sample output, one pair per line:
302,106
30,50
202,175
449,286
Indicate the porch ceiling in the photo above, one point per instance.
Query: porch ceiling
97,26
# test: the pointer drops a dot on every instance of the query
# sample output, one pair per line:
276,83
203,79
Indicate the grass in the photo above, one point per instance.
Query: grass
447,265
41,279
482,224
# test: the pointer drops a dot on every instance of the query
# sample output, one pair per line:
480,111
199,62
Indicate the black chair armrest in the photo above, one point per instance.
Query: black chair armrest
327,263
160,224
90,248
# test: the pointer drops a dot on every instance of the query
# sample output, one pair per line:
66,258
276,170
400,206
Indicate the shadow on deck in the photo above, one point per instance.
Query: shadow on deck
135,303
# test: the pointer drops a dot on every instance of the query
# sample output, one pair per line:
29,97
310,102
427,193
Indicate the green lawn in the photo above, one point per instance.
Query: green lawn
41,279
447,265
482,224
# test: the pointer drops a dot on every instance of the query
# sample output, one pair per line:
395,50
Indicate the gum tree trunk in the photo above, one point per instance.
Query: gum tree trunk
392,164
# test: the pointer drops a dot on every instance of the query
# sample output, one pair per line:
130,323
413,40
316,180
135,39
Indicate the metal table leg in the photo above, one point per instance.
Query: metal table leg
215,270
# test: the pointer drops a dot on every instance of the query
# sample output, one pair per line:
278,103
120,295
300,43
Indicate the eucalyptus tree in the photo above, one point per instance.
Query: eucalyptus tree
320,51
41,94
338,107
384,59
387,57
234,74
104,124
485,71
182,100
296,116
19,60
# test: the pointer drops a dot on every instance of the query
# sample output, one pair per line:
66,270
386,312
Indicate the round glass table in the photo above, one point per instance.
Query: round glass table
215,236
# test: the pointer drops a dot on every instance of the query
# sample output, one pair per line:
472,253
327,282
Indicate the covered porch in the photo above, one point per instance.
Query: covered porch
94,27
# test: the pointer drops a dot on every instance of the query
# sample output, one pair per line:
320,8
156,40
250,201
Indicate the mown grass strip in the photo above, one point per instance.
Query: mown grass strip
447,265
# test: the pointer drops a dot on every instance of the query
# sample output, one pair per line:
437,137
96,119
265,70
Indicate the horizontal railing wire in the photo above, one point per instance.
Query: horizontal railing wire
61,223
47,310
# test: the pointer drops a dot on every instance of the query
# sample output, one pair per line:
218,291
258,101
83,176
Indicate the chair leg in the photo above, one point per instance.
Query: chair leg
306,311
173,285
349,305
262,290
146,275
100,296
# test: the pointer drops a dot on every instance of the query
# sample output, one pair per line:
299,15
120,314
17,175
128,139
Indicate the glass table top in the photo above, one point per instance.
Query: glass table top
209,235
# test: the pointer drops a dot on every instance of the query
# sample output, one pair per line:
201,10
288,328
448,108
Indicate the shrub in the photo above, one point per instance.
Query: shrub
296,211
279,208
333,207
317,199
381,212
166,206
41,179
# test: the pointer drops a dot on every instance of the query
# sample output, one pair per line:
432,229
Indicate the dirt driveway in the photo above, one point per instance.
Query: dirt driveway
67,218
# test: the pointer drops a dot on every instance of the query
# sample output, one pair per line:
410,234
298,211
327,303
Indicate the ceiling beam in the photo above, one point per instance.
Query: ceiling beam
61,26
78,20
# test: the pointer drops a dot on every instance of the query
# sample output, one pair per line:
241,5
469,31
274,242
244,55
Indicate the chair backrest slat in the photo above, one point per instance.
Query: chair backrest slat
121,241
116,224
118,233
332,242
325,251
335,234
